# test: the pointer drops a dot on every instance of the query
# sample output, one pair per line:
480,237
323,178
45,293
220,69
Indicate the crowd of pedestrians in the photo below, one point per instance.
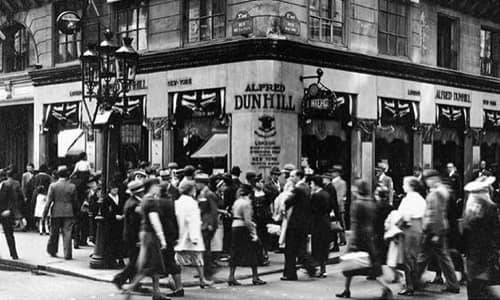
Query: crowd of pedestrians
164,220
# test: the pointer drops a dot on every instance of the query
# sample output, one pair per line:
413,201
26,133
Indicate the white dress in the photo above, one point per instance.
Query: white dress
41,201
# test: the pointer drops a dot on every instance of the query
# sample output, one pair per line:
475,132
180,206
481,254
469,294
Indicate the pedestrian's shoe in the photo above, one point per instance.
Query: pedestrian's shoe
436,280
160,297
344,294
406,292
258,282
450,289
117,282
178,293
52,254
386,294
76,246
233,283
15,257
284,278
206,283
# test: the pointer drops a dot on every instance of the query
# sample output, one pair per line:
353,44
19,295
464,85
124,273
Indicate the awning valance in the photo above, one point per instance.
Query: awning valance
215,146
199,103
397,112
491,120
66,115
452,116
321,129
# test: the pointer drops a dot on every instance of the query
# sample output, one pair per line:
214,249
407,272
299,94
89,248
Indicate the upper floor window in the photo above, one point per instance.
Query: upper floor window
447,42
393,27
489,52
14,49
68,46
206,20
132,22
326,20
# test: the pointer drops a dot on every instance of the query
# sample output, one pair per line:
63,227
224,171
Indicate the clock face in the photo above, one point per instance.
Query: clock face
313,90
68,22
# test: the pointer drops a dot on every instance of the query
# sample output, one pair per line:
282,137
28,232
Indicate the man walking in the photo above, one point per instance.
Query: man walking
11,197
384,180
435,227
62,200
27,189
298,228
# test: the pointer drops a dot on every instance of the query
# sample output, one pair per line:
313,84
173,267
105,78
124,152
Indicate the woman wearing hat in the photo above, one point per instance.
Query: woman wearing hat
262,213
243,237
152,240
112,211
189,249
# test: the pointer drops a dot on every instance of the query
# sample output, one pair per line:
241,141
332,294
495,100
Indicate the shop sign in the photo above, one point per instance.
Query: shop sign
415,93
290,24
453,96
264,96
242,24
179,82
68,22
75,93
138,85
489,102
265,151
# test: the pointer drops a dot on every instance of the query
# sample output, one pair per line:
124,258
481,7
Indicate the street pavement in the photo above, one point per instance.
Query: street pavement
15,285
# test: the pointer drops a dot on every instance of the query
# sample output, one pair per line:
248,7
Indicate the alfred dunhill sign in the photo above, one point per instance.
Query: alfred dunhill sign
453,96
259,96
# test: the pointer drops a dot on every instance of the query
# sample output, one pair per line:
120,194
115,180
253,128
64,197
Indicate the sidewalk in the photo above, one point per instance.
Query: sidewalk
31,248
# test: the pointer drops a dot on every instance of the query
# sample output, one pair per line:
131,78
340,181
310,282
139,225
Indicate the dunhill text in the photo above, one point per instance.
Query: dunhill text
453,96
264,96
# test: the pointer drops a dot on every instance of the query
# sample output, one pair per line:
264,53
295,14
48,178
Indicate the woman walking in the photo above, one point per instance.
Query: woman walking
152,240
320,206
243,237
189,249
363,238
412,209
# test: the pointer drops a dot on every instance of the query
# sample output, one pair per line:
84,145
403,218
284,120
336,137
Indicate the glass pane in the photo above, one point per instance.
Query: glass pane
482,44
382,21
219,27
194,9
382,43
314,7
314,28
133,34
1,57
401,9
402,26
391,24
122,21
61,53
326,9
142,40
392,45
339,11
338,33
206,29
401,51
392,6
382,5
194,31
218,7
132,19
326,30
143,17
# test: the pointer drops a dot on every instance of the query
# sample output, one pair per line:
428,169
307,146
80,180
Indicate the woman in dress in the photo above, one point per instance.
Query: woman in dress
40,197
243,237
112,211
189,249
412,209
320,206
262,214
363,213
152,239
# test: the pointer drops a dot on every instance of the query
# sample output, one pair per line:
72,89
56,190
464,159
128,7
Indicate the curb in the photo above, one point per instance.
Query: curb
34,268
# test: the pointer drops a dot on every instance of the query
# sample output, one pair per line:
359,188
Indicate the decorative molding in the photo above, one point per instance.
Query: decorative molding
366,127
427,133
476,134
288,51
157,126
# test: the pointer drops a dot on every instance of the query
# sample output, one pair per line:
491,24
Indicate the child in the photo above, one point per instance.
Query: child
41,201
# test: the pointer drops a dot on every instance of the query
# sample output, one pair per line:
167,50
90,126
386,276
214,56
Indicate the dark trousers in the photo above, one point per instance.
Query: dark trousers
296,252
226,240
128,273
208,268
65,227
440,252
8,230
81,228
479,290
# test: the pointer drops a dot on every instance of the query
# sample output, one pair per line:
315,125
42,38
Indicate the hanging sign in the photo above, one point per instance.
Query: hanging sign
68,22
242,24
290,24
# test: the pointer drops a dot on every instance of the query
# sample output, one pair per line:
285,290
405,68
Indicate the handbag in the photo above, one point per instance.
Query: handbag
335,226
355,261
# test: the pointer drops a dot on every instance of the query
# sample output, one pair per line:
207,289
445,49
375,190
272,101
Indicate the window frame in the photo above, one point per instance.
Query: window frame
59,7
396,33
20,58
323,20
132,8
489,61
455,36
186,21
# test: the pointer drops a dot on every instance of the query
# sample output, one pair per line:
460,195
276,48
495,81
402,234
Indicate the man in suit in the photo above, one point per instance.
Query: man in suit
62,200
166,180
384,180
29,205
11,199
229,196
299,226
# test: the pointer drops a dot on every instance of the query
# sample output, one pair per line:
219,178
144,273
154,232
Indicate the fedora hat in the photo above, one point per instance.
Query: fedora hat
201,177
275,171
135,187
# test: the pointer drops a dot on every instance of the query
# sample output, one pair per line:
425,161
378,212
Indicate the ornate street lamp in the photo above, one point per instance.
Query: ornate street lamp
108,72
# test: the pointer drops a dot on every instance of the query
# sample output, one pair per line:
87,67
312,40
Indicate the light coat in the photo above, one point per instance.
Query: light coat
188,216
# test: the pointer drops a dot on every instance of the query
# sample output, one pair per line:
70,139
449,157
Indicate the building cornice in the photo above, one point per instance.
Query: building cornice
287,51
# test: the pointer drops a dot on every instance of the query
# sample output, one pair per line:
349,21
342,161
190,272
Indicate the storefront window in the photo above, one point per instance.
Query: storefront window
132,22
14,49
200,136
326,20
393,28
206,20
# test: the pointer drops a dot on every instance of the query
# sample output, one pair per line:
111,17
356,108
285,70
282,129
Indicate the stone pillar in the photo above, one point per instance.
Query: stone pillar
366,129
427,139
417,148
168,145
468,142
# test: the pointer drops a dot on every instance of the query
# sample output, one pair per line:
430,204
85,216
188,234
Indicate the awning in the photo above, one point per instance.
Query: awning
70,142
215,146
102,118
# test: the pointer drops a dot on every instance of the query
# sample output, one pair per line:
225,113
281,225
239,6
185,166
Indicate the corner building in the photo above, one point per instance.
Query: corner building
225,83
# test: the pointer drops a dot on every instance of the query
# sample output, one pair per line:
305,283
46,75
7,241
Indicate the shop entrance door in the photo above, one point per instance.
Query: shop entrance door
16,132
448,150
490,152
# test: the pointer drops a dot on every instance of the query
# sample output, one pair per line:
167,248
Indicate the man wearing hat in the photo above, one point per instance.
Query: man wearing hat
140,175
384,180
166,179
131,228
187,173
272,184
229,196
62,197
235,175
341,189
11,198
207,201
334,205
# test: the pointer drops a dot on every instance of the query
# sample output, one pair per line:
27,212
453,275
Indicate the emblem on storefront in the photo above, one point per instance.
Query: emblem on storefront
266,128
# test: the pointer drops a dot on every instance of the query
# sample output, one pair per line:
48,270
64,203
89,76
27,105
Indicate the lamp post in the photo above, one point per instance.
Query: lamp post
108,73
